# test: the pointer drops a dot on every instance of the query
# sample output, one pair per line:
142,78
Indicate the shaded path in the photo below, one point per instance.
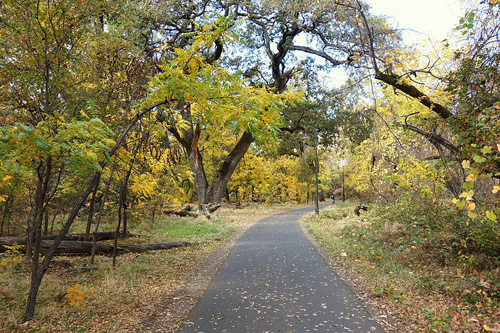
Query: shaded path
274,281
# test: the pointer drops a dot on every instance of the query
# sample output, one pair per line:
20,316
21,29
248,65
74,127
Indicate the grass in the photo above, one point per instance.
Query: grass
117,299
418,260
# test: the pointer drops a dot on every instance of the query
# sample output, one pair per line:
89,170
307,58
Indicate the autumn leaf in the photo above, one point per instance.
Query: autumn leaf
479,159
471,178
491,216
467,195
77,295
471,214
486,150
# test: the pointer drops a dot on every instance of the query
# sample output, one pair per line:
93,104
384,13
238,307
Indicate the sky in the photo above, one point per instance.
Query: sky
431,18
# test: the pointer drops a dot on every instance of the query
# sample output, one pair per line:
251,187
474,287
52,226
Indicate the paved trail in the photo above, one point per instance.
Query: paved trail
274,281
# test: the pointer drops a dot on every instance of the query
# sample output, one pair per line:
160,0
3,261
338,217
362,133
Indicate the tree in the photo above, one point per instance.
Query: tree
53,139
207,98
272,55
41,72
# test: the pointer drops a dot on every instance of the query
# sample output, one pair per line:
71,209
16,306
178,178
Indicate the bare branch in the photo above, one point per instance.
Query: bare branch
434,138
323,55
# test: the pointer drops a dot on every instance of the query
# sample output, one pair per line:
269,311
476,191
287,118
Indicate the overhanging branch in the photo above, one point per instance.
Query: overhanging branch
323,55
434,138
395,81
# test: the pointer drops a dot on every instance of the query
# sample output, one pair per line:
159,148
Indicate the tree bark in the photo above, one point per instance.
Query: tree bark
22,240
37,278
99,217
5,212
44,174
91,213
433,138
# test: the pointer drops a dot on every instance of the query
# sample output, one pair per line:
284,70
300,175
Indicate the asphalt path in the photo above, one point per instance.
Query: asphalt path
274,281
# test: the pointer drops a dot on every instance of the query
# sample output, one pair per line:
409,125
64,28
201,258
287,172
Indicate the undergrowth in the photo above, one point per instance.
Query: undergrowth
429,261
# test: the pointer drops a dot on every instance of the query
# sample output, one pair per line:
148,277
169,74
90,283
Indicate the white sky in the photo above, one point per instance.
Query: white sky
431,18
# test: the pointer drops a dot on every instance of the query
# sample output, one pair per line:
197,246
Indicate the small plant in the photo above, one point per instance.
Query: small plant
12,256
438,324
392,291
76,295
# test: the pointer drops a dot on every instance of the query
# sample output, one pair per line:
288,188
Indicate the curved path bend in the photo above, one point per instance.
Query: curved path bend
274,281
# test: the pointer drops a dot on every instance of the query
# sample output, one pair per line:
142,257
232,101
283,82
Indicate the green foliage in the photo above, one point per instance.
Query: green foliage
476,123
80,144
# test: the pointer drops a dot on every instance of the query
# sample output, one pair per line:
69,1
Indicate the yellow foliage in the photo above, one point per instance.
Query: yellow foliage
276,179
12,257
76,295
143,184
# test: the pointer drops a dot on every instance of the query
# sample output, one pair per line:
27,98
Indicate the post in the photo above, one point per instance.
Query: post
343,182
316,210
316,167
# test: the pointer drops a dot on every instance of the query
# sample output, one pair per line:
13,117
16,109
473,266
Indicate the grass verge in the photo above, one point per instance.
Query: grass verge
411,260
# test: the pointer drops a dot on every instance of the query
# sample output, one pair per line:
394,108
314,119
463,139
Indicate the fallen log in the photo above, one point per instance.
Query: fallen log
188,210
181,213
100,236
152,247
85,248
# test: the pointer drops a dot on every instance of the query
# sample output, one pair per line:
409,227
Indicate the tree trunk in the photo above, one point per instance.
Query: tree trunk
215,192
5,212
122,212
99,217
22,240
46,222
44,175
91,213
398,83
200,178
